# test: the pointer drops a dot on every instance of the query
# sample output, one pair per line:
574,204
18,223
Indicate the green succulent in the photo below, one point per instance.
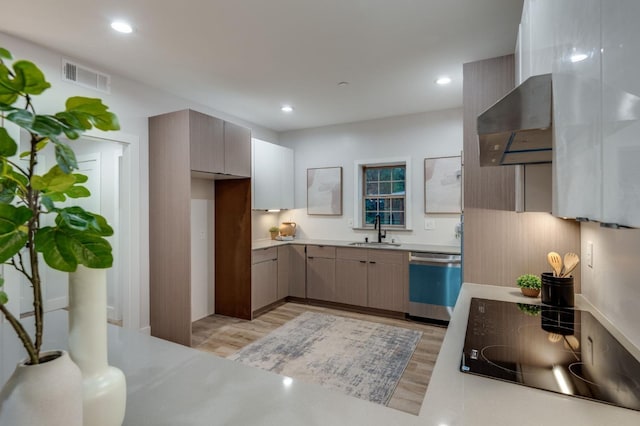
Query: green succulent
531,310
529,281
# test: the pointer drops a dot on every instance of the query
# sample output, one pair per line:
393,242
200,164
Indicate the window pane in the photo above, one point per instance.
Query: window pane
371,204
370,218
372,189
385,188
385,218
398,187
383,204
397,204
372,174
398,173
385,174
397,218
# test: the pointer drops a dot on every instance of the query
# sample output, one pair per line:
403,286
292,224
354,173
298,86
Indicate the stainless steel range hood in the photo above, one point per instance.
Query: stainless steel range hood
517,128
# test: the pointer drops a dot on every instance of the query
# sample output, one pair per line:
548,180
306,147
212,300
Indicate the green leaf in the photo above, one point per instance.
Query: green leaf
4,299
32,79
46,125
101,226
55,180
77,218
80,178
47,202
12,235
65,157
94,111
77,191
7,190
5,54
22,118
8,146
64,248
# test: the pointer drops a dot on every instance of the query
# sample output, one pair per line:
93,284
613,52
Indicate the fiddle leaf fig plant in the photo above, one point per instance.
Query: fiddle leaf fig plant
77,237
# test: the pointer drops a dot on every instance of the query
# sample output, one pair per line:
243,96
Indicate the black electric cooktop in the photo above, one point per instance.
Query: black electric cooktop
562,350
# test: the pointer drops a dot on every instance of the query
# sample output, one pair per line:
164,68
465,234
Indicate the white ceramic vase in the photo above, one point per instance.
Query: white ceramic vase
104,387
49,393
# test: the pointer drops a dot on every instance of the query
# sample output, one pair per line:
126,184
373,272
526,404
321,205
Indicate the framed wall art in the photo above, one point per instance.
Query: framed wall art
324,191
442,185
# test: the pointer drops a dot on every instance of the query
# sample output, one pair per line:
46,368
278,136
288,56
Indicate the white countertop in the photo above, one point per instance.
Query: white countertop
427,248
169,384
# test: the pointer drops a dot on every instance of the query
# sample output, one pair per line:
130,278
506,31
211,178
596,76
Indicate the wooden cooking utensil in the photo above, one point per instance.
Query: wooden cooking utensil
555,261
571,260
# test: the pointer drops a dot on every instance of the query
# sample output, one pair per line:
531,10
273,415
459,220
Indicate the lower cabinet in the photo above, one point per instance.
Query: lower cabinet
264,278
294,275
351,276
387,280
321,273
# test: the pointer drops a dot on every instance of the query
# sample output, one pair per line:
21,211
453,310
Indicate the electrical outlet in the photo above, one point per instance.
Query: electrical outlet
589,254
429,224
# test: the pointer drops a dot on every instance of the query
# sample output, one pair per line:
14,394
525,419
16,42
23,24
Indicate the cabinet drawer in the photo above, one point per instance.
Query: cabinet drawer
262,255
388,256
326,252
351,253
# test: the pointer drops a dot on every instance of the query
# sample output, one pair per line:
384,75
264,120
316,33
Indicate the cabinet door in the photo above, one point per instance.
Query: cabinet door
264,283
577,115
297,272
387,272
351,282
621,115
237,150
284,270
321,278
206,143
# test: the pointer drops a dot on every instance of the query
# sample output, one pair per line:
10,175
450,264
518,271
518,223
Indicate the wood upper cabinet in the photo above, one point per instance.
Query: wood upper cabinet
387,280
351,276
237,150
264,278
321,273
206,143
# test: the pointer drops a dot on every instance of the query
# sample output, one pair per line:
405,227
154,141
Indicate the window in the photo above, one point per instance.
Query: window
384,193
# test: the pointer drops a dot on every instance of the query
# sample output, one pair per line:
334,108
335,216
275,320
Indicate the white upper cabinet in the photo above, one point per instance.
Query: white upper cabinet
535,44
272,176
577,110
621,112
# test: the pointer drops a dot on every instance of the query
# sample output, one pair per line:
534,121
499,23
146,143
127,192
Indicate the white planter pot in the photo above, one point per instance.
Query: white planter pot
104,387
49,393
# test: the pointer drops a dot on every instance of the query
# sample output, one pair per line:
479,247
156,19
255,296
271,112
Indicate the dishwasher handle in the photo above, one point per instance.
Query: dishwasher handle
442,259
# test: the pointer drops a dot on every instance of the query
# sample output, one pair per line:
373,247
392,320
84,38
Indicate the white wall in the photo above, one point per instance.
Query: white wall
202,248
613,284
418,136
133,102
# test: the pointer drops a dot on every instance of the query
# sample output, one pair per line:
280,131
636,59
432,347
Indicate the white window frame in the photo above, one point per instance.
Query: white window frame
358,182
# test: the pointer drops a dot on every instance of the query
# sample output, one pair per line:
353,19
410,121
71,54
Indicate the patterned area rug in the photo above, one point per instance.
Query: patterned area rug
359,358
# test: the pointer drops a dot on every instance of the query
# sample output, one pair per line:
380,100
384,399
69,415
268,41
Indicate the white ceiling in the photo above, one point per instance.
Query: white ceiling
248,57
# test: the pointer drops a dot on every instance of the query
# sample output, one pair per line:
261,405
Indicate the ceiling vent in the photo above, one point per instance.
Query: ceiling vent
85,77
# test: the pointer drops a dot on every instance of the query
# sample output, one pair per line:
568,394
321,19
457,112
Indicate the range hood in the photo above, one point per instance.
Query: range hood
517,128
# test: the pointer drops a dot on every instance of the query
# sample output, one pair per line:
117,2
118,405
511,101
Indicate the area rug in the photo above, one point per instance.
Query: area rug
359,358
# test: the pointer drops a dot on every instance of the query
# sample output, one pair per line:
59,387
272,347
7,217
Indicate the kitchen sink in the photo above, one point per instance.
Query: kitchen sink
373,244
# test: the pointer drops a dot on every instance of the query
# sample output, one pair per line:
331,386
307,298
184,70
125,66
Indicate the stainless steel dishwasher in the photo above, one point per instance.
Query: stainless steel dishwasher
434,284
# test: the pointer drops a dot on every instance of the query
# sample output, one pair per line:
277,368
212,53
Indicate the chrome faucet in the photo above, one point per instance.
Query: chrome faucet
378,225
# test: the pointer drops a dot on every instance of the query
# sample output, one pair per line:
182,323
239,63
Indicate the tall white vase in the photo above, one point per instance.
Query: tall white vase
104,387
49,393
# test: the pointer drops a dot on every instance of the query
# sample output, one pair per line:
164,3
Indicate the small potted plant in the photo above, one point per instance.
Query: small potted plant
274,230
529,285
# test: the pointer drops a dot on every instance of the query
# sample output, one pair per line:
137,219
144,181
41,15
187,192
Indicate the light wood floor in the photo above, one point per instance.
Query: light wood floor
224,336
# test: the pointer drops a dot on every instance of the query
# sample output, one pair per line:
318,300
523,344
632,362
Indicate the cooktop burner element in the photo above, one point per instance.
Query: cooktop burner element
562,350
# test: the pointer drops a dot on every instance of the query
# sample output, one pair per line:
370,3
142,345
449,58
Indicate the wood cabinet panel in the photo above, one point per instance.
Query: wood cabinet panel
321,251
351,253
321,278
206,143
237,150
284,271
351,281
484,83
264,283
386,286
297,271
262,255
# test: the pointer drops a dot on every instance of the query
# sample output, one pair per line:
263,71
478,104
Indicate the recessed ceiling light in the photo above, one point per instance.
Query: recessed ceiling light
443,80
577,57
121,27
286,108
